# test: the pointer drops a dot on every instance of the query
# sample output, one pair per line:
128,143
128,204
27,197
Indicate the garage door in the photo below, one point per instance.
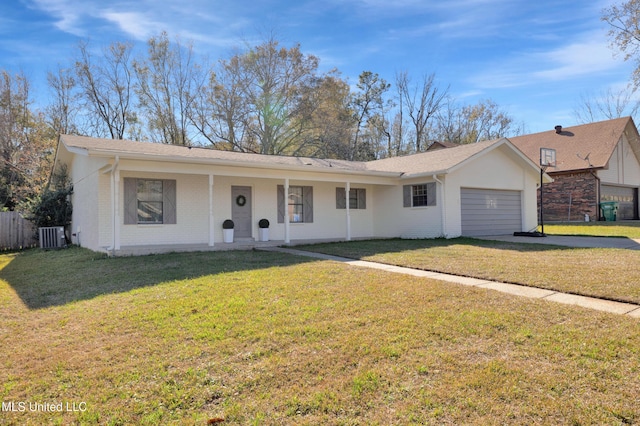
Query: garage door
490,212
626,197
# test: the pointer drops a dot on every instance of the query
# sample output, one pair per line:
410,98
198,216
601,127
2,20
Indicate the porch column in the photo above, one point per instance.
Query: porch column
116,203
346,196
211,221
287,238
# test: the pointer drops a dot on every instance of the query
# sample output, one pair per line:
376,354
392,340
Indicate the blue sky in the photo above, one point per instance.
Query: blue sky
534,58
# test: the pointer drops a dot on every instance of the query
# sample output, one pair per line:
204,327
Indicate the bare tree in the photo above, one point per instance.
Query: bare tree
421,102
62,112
606,105
367,103
106,85
219,112
473,123
168,80
276,84
624,20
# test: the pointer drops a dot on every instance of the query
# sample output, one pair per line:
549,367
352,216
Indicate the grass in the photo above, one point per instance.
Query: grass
263,338
624,229
604,273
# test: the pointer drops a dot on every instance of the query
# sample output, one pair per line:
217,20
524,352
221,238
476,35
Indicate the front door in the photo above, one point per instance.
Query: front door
241,211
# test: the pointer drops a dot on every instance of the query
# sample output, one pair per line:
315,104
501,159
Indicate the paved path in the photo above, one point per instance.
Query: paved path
629,309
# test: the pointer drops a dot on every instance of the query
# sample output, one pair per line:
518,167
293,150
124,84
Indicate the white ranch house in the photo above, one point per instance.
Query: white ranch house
138,197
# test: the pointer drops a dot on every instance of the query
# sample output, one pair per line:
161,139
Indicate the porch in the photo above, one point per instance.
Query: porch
248,244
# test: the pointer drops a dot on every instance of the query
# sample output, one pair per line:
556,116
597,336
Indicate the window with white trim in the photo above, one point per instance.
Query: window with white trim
419,195
298,205
357,198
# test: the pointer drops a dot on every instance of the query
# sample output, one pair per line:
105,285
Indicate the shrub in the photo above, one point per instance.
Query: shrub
263,223
227,224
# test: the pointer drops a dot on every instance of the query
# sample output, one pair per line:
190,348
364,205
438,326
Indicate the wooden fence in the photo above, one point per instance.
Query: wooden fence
16,232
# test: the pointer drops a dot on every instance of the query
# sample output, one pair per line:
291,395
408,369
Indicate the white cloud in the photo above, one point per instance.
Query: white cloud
588,55
67,13
136,24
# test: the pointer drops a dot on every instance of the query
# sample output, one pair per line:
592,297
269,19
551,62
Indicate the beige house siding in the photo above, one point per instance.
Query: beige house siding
623,166
394,220
85,175
483,174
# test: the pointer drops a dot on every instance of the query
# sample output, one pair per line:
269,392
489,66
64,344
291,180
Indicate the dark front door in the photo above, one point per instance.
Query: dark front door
241,211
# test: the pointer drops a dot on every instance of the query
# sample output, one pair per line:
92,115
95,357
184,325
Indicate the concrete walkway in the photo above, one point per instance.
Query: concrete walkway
570,241
629,309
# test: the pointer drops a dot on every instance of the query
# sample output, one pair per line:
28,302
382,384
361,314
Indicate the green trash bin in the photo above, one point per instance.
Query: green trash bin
609,210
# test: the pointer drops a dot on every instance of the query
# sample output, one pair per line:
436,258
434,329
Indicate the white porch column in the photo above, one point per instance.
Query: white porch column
211,221
346,196
116,204
287,238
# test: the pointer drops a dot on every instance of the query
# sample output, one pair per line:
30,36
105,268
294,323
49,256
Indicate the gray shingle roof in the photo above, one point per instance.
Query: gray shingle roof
440,161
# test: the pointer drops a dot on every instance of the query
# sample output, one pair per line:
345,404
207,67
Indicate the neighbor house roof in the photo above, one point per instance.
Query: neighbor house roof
426,163
579,147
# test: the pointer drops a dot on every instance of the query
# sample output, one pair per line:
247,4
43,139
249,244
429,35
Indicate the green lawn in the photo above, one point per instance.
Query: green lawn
270,339
607,273
624,229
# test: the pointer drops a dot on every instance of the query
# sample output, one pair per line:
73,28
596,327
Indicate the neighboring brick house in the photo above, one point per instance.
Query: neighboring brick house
594,163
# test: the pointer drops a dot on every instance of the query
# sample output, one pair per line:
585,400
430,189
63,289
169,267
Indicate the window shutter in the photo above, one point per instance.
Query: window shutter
431,194
307,200
406,195
362,198
340,198
281,207
169,215
130,201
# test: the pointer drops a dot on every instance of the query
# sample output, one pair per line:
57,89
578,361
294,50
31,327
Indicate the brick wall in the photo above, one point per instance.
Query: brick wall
578,190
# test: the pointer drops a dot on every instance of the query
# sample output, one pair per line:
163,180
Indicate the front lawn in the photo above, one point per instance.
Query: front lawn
608,273
623,229
261,338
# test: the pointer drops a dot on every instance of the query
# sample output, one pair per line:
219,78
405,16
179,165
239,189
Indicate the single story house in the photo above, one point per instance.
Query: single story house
595,162
131,197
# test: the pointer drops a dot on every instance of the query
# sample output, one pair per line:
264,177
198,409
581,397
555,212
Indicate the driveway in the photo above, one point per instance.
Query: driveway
571,241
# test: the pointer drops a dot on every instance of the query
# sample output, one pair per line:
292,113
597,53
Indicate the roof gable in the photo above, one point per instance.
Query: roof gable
578,147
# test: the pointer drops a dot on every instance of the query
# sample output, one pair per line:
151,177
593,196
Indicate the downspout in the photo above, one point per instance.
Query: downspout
442,207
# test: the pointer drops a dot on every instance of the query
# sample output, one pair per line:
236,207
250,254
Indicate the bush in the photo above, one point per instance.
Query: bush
53,207
263,223
227,224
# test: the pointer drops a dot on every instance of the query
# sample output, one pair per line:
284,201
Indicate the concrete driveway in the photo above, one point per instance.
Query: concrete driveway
570,241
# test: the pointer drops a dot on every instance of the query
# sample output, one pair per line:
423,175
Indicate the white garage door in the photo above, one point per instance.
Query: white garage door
490,212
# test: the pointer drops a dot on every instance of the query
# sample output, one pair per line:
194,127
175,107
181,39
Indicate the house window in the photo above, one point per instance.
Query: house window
149,201
420,195
357,198
298,206
149,197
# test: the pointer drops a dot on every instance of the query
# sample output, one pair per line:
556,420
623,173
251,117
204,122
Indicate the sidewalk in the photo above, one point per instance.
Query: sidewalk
629,309
571,241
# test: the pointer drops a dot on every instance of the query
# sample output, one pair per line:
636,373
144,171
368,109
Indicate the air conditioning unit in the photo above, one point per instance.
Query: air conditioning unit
52,237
